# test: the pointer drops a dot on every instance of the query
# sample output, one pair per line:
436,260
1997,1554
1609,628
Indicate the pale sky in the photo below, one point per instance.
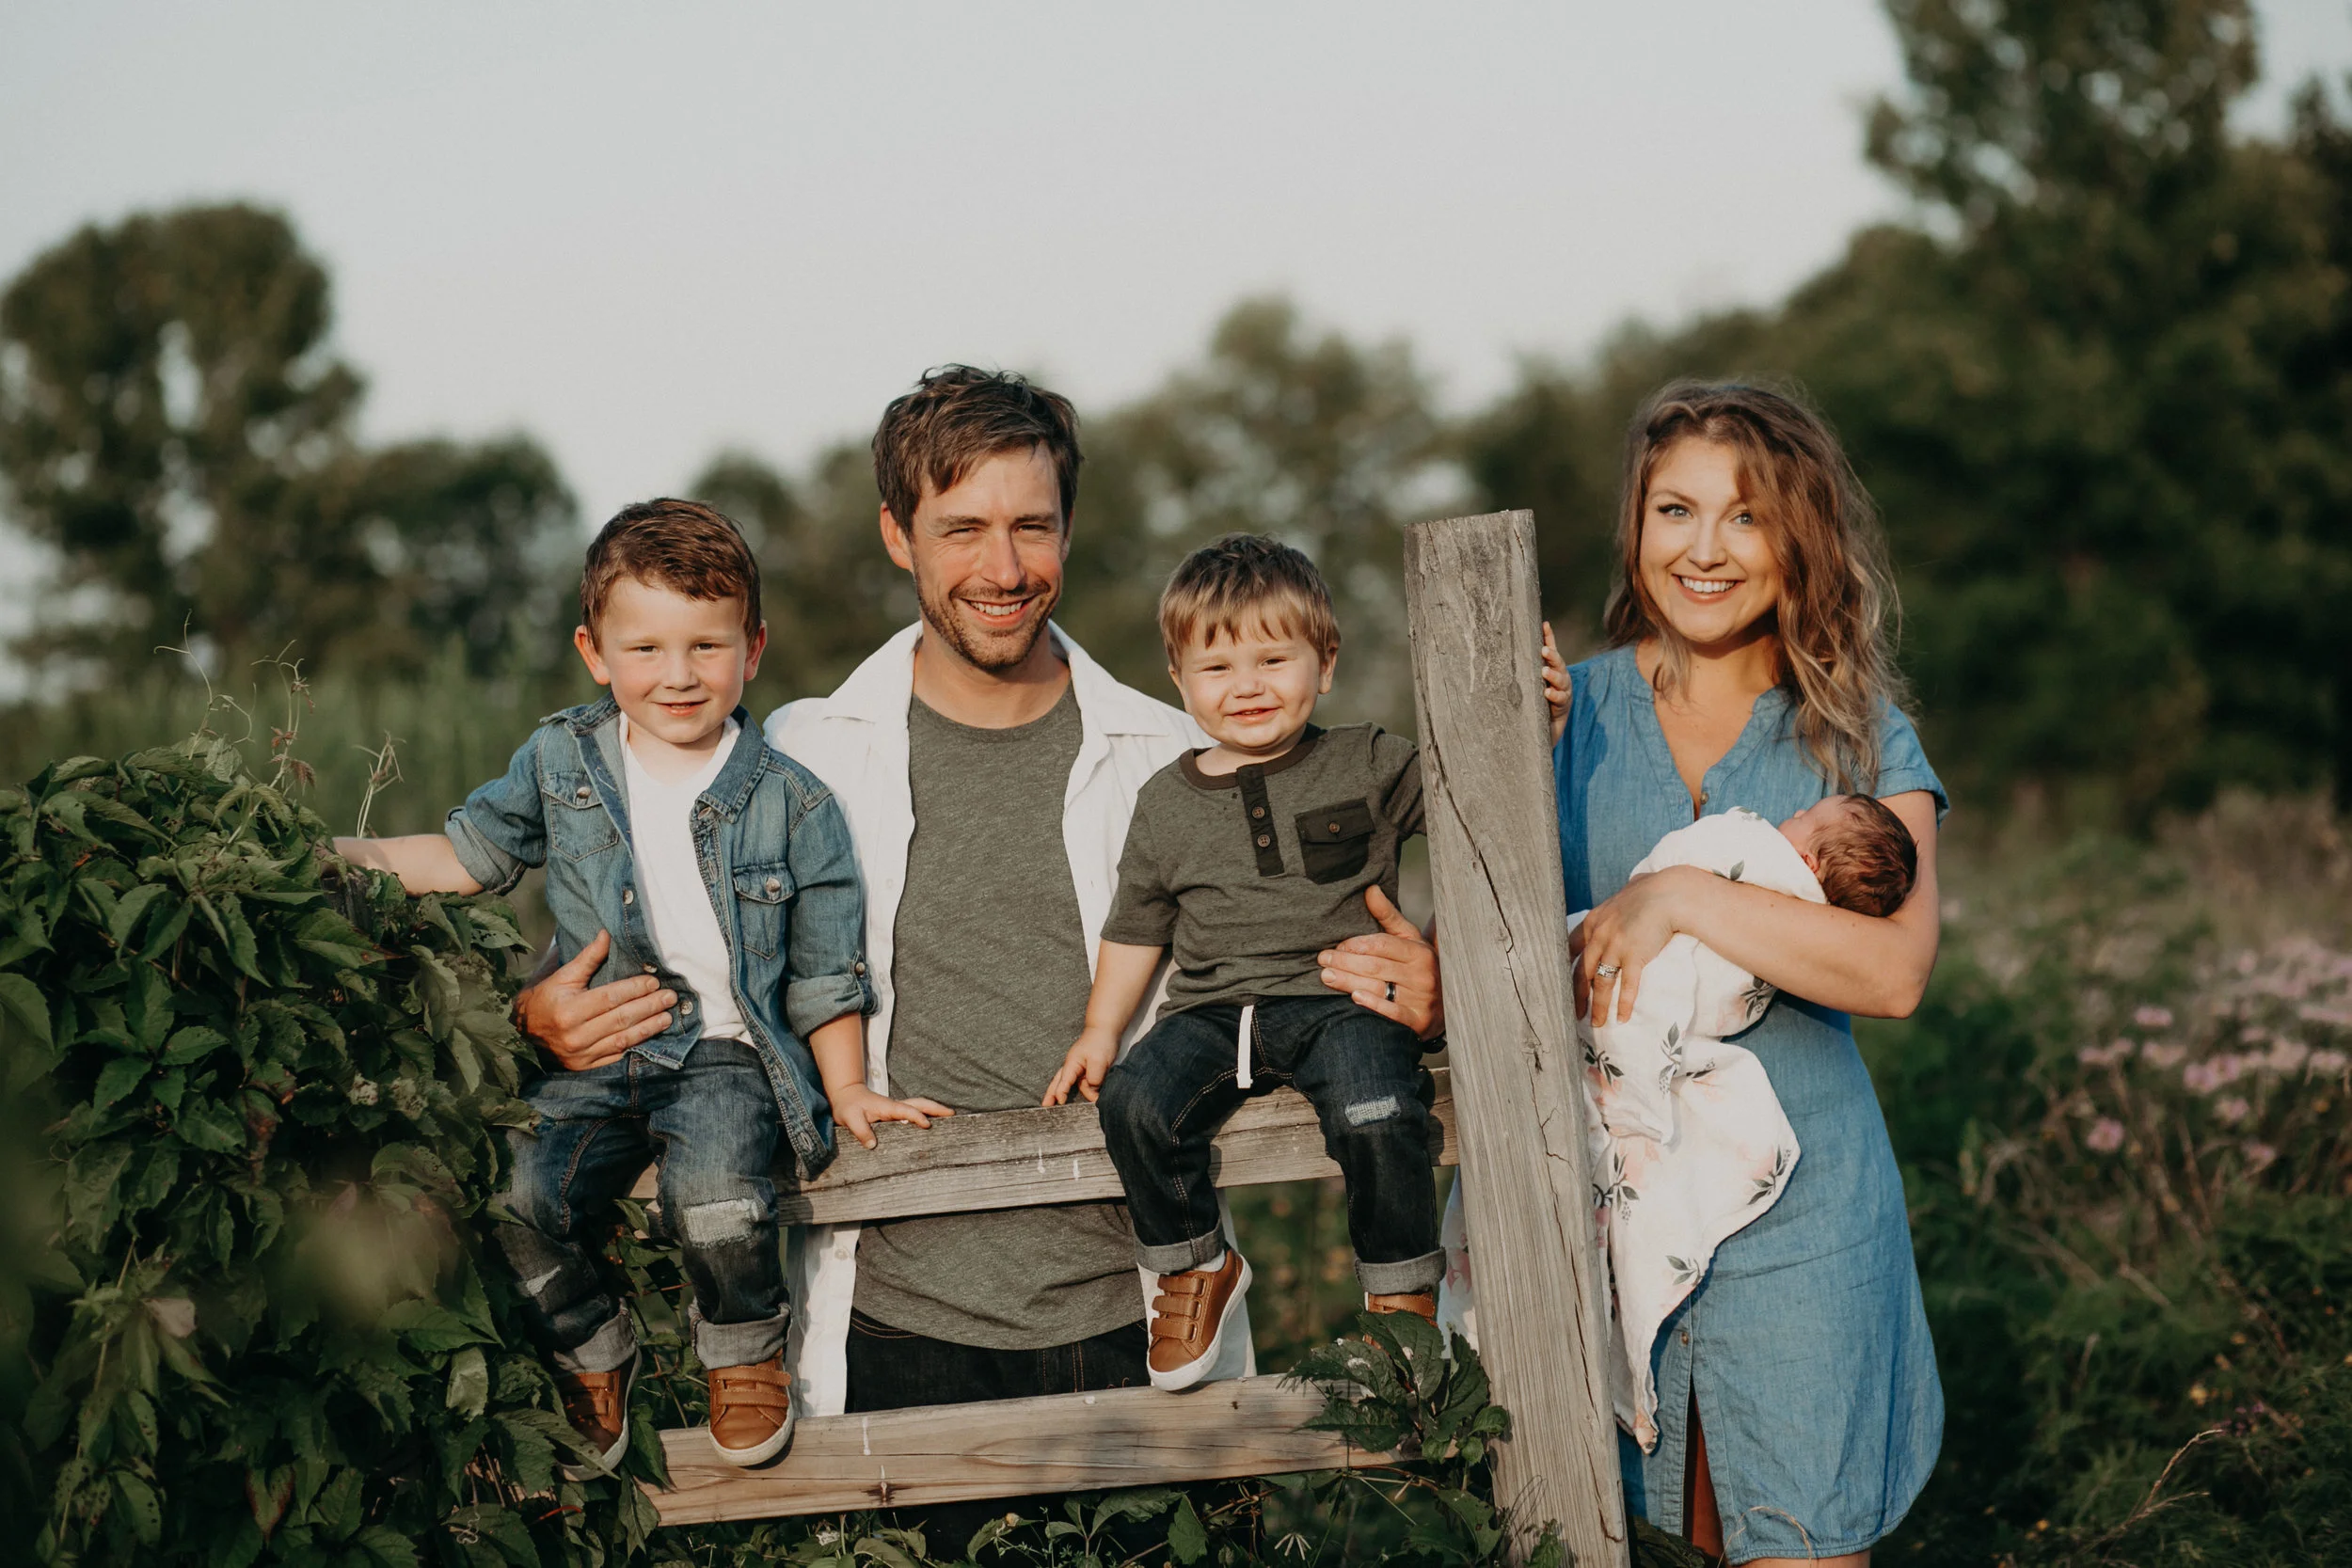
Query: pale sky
643,232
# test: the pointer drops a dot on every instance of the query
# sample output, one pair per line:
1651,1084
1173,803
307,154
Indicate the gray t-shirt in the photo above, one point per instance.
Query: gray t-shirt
1248,875
991,977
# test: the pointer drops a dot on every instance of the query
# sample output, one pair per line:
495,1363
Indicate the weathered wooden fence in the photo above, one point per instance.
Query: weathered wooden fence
1512,1112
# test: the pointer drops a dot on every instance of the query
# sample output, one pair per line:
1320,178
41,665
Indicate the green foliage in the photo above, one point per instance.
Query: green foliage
2121,1117
257,1330
172,424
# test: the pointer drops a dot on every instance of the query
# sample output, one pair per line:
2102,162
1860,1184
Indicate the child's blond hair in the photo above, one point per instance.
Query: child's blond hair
1244,583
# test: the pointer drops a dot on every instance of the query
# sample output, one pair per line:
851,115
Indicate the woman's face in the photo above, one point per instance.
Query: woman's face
1704,558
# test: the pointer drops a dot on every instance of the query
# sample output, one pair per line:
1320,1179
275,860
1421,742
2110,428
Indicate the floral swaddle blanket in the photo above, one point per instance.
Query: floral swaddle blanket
1687,1140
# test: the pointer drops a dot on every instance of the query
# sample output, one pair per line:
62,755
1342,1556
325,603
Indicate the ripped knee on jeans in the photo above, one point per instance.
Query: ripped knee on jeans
722,1221
1365,1112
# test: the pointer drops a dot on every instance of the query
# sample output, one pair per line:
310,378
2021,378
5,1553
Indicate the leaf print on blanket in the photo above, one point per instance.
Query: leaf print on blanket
1767,1185
1615,1192
1686,1271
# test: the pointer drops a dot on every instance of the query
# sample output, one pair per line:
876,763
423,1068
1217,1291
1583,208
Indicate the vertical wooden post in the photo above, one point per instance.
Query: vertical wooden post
1472,606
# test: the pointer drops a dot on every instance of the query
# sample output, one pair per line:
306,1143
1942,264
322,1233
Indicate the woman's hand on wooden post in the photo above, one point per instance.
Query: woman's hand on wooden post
1556,691
1394,972
586,1026
1623,935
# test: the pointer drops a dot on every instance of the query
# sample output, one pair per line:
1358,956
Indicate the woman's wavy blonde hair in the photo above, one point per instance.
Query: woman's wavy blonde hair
1837,611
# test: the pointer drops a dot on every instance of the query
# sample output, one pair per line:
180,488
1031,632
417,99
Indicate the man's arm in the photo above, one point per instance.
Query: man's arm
425,862
1123,978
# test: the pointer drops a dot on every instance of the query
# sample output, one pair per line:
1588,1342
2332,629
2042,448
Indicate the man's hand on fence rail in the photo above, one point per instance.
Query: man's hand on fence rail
1395,974
582,1025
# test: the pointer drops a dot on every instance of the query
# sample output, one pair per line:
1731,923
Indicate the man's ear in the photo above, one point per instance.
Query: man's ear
896,540
585,642
1069,525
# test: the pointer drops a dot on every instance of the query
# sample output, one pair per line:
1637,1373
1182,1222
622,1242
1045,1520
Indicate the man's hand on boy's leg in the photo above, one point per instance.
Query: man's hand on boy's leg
857,1108
1083,1068
1395,974
585,1026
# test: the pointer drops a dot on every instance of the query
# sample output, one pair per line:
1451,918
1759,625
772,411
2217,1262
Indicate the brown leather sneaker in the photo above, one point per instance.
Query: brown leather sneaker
596,1405
750,1411
1189,1318
1419,1301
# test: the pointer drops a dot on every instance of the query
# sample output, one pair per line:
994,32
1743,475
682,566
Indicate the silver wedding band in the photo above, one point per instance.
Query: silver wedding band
1607,971
1391,990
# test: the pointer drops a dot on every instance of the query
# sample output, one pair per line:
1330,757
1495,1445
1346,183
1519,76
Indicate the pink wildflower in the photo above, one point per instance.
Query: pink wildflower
2153,1018
2326,1063
2230,1110
2106,1135
2162,1056
2258,1156
2286,1055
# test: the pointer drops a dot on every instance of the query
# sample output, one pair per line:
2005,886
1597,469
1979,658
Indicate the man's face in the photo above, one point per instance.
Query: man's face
987,557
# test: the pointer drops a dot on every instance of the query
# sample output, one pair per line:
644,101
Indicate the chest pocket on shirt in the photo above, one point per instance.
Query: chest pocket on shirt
1335,840
761,892
577,824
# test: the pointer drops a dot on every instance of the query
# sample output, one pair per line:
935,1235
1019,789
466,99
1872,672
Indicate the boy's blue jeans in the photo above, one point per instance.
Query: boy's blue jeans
711,1125
1164,1103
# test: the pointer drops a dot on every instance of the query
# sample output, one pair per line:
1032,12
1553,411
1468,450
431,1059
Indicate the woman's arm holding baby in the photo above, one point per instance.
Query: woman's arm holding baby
425,862
1833,957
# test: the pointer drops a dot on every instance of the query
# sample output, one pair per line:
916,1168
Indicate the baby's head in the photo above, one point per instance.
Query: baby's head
1861,852
1251,640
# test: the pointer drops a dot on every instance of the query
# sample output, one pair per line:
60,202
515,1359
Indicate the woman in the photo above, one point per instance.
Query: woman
1798,1402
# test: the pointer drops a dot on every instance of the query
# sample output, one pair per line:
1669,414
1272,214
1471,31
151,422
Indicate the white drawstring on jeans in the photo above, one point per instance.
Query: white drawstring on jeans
1241,1044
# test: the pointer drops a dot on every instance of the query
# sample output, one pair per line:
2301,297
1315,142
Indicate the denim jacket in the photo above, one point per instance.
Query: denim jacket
776,859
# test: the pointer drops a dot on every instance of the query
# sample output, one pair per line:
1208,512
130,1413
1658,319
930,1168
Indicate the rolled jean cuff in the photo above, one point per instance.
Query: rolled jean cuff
718,1345
1176,1258
608,1349
1410,1277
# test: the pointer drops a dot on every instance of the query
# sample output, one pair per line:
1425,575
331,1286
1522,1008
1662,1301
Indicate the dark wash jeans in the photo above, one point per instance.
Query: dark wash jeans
893,1369
1164,1103
711,1125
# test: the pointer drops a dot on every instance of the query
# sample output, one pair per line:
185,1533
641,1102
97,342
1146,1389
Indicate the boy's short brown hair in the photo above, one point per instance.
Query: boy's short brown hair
1243,581
1868,862
683,545
958,416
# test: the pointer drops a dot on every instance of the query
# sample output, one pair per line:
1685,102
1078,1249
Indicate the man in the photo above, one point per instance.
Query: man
988,767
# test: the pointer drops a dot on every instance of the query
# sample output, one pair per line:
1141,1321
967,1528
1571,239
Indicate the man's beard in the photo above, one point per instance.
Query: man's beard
983,650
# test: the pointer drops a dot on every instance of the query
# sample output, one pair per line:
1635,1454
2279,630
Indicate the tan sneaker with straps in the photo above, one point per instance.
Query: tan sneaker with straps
750,1411
597,1405
1190,1319
1419,1303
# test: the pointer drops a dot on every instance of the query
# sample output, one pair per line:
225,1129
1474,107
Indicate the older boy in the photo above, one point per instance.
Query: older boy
692,852
1251,857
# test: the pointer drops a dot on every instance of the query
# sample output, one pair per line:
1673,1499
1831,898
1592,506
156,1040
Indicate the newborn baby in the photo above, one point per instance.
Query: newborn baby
1687,1139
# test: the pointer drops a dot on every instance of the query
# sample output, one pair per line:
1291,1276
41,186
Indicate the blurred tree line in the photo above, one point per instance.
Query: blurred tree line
2101,384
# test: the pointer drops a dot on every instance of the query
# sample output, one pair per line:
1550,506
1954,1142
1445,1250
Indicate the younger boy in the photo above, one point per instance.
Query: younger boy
1249,857
723,869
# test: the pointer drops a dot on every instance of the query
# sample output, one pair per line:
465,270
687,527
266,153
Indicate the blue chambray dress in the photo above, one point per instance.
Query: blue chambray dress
1807,1343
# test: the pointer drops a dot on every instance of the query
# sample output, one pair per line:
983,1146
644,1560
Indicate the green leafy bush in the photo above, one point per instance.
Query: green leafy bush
275,1103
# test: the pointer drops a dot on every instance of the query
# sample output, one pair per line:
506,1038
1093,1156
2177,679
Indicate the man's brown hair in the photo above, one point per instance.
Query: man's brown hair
1243,582
956,417
682,545
1868,862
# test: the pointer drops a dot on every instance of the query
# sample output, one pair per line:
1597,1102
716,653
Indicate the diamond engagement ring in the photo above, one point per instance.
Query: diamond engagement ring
1607,971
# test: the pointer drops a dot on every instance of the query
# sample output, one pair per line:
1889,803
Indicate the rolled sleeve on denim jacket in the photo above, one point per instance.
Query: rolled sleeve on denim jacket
828,932
502,829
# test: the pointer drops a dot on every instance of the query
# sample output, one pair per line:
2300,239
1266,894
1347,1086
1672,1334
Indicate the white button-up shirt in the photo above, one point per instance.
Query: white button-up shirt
855,741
